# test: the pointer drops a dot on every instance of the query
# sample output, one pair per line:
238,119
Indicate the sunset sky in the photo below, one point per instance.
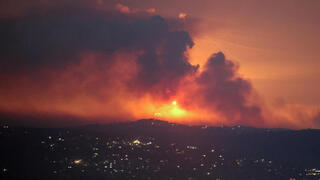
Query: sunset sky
196,62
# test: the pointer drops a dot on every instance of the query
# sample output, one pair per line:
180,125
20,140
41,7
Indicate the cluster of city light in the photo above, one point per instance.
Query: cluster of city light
192,147
137,142
121,156
111,162
313,172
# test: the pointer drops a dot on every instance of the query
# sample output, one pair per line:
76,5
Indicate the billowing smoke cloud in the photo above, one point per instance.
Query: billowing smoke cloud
65,54
227,93
77,61
57,37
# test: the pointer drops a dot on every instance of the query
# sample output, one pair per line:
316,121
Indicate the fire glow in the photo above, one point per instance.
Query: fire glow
171,111
121,68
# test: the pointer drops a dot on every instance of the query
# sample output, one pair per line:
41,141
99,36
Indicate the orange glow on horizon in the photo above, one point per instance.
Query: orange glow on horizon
171,111
113,101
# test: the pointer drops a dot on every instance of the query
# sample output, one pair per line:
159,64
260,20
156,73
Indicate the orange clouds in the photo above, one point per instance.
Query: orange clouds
96,90
151,10
92,89
122,66
122,8
182,15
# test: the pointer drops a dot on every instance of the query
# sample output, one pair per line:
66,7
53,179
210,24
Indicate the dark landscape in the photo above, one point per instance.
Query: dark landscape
159,90
154,149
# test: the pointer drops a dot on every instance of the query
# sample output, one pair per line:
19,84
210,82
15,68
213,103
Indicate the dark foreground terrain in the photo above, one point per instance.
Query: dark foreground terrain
153,149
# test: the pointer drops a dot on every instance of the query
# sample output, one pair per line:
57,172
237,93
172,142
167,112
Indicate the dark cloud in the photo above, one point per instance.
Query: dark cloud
59,36
56,37
223,90
169,63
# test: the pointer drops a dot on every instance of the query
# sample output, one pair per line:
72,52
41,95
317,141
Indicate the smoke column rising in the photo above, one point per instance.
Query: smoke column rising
106,66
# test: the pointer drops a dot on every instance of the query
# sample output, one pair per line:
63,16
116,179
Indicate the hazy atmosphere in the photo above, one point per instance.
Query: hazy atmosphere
253,63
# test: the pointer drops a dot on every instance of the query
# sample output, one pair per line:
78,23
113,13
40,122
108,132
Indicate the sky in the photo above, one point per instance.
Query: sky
209,62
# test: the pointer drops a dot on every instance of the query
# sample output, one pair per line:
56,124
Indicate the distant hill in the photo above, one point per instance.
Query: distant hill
276,143
204,152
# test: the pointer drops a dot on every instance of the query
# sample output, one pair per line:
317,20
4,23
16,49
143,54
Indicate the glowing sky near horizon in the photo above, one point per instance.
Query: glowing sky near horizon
275,44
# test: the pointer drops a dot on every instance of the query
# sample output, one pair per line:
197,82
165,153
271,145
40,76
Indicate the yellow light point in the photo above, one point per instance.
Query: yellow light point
174,102
78,161
136,142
